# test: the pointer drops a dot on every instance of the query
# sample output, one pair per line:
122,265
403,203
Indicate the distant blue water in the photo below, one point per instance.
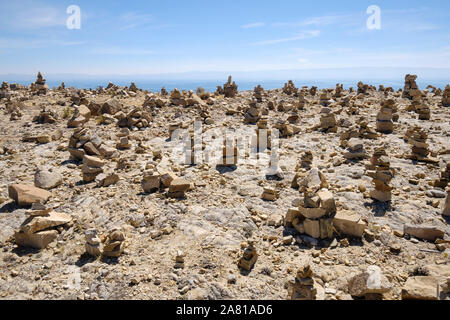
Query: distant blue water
209,85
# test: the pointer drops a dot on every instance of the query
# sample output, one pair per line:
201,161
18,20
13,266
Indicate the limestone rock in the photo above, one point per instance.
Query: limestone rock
421,288
47,178
25,195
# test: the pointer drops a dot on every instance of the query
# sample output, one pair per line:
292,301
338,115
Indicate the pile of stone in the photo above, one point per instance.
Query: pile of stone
286,129
62,87
137,118
82,143
423,111
363,88
355,149
46,117
13,108
382,176
154,181
384,119
258,93
92,167
446,97
205,116
153,101
315,214
328,121
338,93
249,257
420,148
133,87
444,179
302,102
124,142
303,287
114,243
313,91
179,260
39,86
43,138
41,227
325,99
4,91
411,88
289,88
253,113
270,194
81,115
230,89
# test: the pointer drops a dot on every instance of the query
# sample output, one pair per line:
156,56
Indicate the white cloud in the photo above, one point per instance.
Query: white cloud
253,25
303,35
31,15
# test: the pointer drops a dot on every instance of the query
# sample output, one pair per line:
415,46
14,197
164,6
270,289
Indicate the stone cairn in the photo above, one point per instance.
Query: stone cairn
338,92
315,214
325,99
446,97
41,227
302,168
92,167
412,92
289,88
137,118
114,243
82,143
384,118
229,154
355,150
93,244
249,257
14,109
420,148
230,89
444,179
45,117
253,113
81,115
270,194
39,86
303,286
382,175
258,93
328,121
302,102
124,141
313,91
4,91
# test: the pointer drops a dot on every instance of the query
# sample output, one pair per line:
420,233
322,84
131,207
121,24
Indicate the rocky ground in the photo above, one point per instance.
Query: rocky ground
223,210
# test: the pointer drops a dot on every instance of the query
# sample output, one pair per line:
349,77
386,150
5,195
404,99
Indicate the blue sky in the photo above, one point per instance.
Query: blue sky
151,37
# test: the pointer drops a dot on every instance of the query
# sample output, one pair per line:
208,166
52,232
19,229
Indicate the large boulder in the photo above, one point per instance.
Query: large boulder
47,179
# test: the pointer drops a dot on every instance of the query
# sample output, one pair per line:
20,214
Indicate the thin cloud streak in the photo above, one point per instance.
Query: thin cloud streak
303,35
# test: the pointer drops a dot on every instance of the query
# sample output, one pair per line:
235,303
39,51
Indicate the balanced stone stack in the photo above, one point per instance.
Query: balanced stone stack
391,104
258,93
270,194
133,87
41,228
384,120
13,108
411,88
315,214
230,89
114,243
306,160
249,257
446,97
302,102
382,176
313,91
93,244
303,287
355,149
444,179
177,98
338,93
39,86
84,143
46,116
4,91
92,167
253,113
81,115
362,88
124,142
328,121
137,118
289,88
325,99
418,140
